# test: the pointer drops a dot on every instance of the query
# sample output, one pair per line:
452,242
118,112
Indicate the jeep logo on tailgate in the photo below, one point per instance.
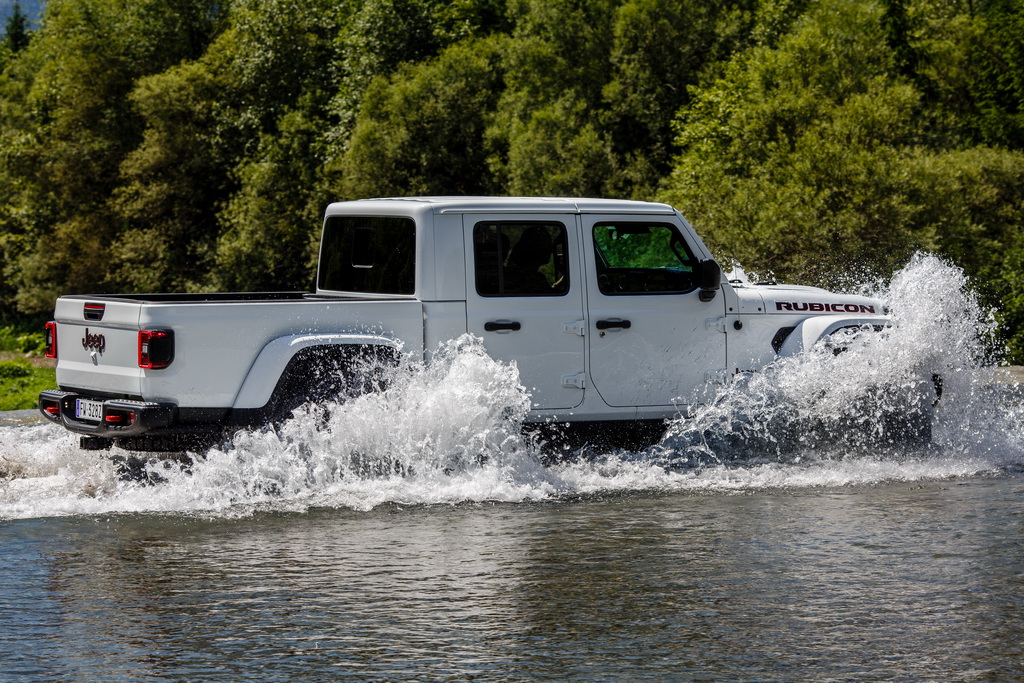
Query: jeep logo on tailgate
94,341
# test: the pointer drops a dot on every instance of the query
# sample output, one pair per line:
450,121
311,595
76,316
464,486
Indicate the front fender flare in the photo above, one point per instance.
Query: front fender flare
811,331
265,372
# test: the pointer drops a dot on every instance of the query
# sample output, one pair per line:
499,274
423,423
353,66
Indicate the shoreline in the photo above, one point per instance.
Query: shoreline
21,418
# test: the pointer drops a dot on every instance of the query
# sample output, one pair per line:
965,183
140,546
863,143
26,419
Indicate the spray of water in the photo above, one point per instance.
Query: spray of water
450,431
863,388
446,431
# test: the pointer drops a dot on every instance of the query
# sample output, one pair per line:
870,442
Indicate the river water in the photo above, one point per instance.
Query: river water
777,534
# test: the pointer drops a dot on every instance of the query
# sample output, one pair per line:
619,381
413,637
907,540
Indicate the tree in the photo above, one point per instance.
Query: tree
422,130
16,30
172,182
821,154
659,51
592,88
270,225
201,179
546,137
792,159
76,128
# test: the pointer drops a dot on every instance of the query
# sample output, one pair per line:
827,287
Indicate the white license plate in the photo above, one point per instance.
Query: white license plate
88,410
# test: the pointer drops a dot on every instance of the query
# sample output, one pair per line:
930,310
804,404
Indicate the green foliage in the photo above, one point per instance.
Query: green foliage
14,369
192,144
174,178
73,128
21,382
15,340
420,131
272,222
1009,292
793,160
844,145
659,49
546,139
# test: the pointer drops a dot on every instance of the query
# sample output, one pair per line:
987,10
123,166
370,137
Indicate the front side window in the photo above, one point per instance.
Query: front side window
520,259
373,255
642,258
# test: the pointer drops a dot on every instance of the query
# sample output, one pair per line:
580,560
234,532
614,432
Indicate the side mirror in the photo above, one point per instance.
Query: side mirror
709,279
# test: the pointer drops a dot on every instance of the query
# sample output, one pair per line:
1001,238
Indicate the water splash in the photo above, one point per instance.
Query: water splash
441,432
449,432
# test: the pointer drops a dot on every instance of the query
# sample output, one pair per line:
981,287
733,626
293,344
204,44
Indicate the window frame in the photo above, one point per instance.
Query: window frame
559,242
601,262
352,265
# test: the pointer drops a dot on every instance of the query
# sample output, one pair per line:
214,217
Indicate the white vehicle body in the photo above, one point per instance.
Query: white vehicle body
618,327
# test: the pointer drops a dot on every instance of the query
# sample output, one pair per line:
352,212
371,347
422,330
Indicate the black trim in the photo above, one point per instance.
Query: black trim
501,326
780,337
313,374
162,427
178,297
321,373
93,311
613,324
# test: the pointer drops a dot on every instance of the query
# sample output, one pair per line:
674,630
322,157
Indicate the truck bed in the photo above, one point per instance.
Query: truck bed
217,338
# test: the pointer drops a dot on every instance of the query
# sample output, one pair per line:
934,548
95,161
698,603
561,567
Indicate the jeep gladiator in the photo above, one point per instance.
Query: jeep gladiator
615,313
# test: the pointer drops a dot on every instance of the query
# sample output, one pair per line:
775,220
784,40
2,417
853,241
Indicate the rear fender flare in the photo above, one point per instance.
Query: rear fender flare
811,331
270,364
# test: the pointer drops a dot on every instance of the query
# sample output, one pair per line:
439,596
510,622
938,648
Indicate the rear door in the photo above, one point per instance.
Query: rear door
524,298
649,341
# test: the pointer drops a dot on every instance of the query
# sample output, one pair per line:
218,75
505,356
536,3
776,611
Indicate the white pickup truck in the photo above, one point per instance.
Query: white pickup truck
614,311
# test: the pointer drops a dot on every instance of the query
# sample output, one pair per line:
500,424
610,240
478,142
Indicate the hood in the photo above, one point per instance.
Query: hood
789,299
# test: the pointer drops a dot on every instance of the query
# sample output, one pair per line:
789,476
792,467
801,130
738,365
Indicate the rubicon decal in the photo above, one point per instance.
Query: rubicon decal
816,307
94,341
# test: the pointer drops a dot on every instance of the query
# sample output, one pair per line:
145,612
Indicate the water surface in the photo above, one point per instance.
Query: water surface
920,581
776,534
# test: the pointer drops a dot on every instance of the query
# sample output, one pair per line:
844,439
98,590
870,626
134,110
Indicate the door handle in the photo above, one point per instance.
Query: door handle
613,324
502,325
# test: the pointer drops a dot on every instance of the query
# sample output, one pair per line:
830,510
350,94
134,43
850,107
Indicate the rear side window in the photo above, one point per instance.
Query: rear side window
520,259
374,255
642,258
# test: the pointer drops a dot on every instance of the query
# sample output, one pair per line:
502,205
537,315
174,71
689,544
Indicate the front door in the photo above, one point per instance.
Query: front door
649,341
524,298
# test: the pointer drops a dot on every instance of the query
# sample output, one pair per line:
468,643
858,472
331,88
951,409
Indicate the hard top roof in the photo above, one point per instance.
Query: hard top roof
499,205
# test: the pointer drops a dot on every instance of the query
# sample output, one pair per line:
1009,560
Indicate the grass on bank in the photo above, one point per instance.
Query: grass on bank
21,381
24,370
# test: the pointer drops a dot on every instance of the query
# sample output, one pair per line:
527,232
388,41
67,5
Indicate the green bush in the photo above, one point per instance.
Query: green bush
13,369
21,382
16,341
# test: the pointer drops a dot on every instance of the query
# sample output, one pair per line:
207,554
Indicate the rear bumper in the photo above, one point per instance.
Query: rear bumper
120,417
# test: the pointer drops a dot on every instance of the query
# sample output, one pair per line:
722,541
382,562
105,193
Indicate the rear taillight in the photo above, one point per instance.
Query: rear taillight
51,340
156,349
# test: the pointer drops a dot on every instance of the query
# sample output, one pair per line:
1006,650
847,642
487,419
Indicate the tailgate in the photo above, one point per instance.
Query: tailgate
98,346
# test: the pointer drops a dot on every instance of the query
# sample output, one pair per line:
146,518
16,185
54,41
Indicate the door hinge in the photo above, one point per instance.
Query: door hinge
577,327
579,380
715,324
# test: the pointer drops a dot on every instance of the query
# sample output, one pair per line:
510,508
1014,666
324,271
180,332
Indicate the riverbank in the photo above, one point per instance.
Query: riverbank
22,377
20,418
